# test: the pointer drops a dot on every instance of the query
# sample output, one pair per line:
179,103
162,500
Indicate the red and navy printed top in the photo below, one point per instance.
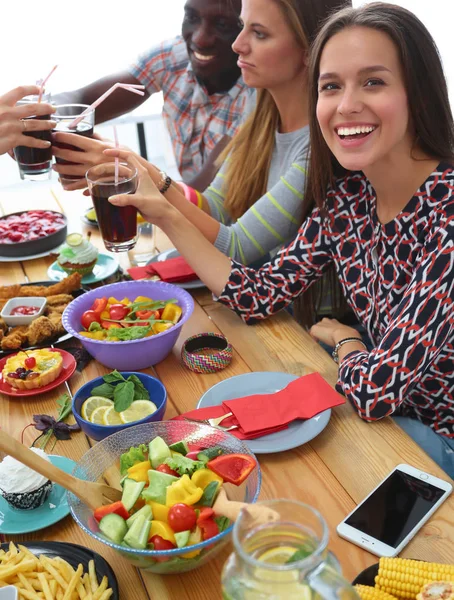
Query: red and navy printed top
399,280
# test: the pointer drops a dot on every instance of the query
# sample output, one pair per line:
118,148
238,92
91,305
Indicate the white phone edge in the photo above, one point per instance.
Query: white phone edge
376,546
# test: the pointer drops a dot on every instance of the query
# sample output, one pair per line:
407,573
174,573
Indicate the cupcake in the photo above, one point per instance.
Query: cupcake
22,487
77,255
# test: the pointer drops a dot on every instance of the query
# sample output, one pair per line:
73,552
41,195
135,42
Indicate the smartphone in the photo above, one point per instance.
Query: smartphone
394,511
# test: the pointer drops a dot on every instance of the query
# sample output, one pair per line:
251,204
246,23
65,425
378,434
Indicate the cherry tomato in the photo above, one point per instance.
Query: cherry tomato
99,305
181,517
160,543
166,469
88,317
118,311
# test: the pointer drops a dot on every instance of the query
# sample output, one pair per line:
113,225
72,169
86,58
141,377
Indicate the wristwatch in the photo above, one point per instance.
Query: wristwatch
339,345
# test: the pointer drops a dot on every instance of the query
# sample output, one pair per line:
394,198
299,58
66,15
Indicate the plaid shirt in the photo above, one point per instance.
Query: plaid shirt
195,120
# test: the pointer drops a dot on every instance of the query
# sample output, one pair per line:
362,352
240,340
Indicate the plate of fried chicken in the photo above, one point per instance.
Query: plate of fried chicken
46,329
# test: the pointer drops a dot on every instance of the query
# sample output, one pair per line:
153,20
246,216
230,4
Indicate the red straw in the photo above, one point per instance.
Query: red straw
43,83
117,160
131,87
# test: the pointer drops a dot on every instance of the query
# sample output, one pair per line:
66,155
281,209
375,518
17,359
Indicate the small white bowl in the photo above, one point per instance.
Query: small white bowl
16,320
8,593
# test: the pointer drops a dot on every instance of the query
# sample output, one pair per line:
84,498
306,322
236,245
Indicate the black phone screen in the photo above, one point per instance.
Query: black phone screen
395,508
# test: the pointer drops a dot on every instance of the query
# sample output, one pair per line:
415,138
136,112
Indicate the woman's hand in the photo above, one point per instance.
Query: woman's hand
148,200
331,331
90,153
12,123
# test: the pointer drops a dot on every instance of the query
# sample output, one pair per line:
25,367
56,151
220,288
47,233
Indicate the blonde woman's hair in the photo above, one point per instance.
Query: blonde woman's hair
249,154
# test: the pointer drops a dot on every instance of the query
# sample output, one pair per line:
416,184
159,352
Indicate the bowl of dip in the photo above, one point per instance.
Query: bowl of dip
22,311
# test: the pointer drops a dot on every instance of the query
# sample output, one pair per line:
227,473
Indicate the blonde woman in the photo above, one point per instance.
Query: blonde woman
254,205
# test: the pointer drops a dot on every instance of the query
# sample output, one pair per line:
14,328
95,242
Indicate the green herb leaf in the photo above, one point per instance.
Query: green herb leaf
106,390
303,552
123,396
135,306
63,400
94,326
223,523
140,391
131,333
113,377
134,455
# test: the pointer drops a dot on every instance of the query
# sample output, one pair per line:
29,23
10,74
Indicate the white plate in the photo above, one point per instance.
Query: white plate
173,253
30,256
298,432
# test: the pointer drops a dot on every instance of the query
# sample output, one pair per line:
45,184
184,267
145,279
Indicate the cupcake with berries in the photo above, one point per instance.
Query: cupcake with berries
78,254
20,486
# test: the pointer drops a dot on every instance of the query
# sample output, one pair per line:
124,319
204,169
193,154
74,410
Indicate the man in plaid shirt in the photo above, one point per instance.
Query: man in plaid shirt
204,94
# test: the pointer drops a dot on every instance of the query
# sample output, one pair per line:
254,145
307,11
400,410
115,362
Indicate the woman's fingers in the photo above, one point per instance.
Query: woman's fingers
74,139
76,184
31,142
18,93
35,125
23,111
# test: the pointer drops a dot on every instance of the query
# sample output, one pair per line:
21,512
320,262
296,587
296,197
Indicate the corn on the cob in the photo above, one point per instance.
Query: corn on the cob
437,590
404,578
367,592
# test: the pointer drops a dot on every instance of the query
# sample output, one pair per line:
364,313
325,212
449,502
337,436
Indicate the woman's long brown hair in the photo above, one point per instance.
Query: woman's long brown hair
428,99
251,149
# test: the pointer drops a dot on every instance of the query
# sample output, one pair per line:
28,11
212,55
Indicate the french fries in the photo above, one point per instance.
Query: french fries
44,578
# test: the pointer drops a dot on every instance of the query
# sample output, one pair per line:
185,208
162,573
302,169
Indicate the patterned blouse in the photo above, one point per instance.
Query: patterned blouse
399,280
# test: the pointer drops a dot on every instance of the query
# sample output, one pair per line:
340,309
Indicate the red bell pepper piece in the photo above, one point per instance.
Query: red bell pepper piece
110,325
233,468
117,507
99,305
207,523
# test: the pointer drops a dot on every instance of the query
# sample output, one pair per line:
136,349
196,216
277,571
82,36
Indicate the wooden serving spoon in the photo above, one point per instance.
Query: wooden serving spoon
259,514
90,493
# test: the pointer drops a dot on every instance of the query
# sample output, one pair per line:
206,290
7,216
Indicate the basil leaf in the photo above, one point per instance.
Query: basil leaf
223,523
94,326
123,396
303,552
140,391
131,333
113,377
106,390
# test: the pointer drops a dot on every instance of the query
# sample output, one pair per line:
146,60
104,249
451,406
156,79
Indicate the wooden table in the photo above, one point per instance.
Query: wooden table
333,472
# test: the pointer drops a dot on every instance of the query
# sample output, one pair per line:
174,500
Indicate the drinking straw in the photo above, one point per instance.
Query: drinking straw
43,83
117,160
130,87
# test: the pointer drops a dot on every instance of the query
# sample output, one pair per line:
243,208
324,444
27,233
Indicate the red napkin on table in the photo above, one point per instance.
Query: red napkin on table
172,270
261,414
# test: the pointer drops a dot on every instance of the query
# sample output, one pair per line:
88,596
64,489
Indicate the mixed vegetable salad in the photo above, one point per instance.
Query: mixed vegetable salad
168,495
115,320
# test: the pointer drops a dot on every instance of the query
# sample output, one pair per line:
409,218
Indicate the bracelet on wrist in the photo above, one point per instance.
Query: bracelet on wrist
165,182
339,345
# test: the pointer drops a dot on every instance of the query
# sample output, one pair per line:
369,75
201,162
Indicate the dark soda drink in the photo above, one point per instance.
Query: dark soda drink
65,115
118,224
35,161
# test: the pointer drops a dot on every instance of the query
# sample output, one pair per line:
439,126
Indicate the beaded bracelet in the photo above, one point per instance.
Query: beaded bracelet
195,357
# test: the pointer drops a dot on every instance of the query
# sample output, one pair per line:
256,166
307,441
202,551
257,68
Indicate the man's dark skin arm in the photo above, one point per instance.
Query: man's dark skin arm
208,172
117,104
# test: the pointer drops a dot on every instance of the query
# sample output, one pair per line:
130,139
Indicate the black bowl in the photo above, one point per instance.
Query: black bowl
31,247
367,577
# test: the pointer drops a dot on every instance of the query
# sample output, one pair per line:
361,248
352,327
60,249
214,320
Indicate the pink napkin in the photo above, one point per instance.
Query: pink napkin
261,414
172,270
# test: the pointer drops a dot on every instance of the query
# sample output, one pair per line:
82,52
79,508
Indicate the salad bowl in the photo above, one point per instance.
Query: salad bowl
103,459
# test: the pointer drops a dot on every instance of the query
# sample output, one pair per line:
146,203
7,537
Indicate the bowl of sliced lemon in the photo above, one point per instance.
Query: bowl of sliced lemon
118,400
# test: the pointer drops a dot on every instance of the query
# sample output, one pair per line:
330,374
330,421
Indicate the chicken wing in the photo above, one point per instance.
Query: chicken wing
39,330
57,299
55,318
15,338
9,291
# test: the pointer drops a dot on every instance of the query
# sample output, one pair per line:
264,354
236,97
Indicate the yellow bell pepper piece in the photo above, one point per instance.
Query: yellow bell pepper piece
139,471
112,300
94,335
125,301
203,477
184,491
160,511
105,314
162,529
143,299
172,312
159,327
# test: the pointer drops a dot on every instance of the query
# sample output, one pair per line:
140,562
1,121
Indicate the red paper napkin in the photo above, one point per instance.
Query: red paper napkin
172,270
262,414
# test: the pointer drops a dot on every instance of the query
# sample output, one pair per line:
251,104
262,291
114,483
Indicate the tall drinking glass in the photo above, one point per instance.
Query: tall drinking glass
65,115
35,163
118,224
286,559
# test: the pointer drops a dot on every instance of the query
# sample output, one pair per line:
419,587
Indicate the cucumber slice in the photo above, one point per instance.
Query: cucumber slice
131,492
114,527
209,494
159,482
144,511
137,535
158,451
181,447
182,538
211,452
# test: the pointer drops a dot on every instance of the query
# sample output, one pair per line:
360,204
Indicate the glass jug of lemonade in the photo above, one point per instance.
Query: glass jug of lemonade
285,559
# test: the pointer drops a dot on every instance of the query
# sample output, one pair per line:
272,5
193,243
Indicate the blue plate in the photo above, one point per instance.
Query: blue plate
54,509
105,267
298,432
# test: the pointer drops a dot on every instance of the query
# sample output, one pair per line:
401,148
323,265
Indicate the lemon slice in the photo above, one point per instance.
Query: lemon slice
74,239
91,404
91,215
278,555
111,417
97,416
140,219
139,409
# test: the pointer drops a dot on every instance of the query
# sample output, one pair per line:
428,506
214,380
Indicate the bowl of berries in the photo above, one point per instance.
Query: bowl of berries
31,232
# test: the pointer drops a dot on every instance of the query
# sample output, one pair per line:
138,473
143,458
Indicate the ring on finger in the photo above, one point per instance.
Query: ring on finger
24,125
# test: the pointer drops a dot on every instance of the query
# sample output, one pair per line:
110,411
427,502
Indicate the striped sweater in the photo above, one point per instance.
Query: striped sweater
275,218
